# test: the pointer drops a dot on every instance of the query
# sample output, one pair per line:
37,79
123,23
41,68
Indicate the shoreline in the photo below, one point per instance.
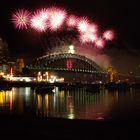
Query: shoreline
90,87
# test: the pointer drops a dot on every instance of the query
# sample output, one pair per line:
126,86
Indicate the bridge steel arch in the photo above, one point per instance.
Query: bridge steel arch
44,63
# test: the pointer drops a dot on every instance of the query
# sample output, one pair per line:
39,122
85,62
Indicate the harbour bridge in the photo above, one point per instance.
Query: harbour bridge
71,66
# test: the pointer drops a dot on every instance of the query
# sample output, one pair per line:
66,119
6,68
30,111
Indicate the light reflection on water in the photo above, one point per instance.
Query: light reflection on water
72,104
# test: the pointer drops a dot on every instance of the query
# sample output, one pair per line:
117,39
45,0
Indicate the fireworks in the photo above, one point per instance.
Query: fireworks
56,19
93,28
39,20
108,35
43,14
100,43
71,21
83,25
21,19
88,37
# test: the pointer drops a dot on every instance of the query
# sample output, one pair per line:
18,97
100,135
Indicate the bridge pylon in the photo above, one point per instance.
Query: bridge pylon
112,74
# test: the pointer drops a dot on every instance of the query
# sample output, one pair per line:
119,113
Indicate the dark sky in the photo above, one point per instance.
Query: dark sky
121,15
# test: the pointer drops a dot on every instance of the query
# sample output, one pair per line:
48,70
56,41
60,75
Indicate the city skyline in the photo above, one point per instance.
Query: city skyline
69,69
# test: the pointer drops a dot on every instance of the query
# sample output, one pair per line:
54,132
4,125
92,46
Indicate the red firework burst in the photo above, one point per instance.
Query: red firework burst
57,17
93,28
100,43
108,35
71,21
39,20
88,37
21,18
82,25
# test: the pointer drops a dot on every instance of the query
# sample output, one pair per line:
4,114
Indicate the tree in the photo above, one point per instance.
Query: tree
3,51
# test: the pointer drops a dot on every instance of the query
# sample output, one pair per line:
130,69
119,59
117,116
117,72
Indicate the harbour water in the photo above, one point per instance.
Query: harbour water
71,104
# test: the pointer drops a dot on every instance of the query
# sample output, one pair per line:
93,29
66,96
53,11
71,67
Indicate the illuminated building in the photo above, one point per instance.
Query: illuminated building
39,76
3,68
19,65
47,77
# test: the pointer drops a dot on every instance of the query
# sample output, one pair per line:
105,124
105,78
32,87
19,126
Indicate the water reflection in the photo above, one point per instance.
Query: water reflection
71,104
6,100
15,100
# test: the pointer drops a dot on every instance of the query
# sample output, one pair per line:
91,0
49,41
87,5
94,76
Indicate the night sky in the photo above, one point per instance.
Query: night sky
120,15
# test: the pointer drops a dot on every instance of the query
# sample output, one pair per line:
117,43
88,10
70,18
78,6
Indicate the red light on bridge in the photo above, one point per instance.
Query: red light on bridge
69,64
